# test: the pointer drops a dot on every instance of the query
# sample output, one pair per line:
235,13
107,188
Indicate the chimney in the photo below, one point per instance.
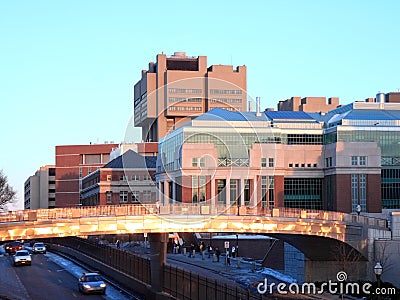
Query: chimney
249,108
258,111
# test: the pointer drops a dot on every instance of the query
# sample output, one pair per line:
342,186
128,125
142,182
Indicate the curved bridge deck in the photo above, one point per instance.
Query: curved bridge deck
137,218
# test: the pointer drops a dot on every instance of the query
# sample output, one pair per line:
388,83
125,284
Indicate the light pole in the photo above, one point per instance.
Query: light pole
358,210
237,245
378,272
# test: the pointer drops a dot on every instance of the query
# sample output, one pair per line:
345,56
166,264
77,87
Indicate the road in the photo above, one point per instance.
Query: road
49,277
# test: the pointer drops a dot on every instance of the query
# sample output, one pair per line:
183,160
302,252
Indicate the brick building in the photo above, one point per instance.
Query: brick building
129,178
73,162
308,104
332,161
178,88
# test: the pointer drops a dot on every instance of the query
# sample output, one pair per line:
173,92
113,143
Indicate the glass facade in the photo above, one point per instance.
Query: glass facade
390,188
303,193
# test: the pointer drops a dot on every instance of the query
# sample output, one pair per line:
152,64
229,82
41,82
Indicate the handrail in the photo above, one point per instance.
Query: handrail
177,208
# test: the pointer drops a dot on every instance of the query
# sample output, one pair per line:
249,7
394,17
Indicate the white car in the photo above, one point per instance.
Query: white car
22,257
39,248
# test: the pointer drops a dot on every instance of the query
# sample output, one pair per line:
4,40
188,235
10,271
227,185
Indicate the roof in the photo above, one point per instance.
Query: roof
288,115
372,114
219,114
130,159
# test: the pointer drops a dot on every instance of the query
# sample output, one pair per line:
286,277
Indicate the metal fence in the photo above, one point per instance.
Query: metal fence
186,285
123,261
178,283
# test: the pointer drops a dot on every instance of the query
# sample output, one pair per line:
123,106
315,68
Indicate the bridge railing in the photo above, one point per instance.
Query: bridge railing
366,220
185,209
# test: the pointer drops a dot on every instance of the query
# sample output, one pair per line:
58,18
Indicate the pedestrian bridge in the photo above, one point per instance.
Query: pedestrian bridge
294,224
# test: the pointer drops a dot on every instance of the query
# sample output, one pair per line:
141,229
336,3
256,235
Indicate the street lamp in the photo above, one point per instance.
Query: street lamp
378,272
358,210
237,245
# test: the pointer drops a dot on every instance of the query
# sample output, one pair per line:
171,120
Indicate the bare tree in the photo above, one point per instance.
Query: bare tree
383,255
7,193
347,257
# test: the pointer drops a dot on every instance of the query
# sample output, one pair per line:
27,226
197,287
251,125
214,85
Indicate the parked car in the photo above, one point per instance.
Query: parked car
39,247
13,247
91,283
22,257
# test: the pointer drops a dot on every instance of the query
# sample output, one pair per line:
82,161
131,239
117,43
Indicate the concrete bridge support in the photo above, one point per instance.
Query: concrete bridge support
158,256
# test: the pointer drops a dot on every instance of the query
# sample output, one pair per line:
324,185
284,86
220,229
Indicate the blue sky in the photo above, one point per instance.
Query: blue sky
67,68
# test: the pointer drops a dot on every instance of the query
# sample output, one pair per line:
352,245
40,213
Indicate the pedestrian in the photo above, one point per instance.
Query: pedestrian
118,243
228,258
233,251
157,206
217,253
210,249
191,251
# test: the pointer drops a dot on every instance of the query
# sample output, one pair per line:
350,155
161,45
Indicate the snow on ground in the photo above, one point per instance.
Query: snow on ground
77,271
278,275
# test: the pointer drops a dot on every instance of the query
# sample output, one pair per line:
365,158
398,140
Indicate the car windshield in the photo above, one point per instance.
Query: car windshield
92,278
15,244
39,245
22,253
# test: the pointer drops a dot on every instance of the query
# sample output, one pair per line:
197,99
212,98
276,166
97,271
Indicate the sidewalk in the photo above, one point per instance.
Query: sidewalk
238,272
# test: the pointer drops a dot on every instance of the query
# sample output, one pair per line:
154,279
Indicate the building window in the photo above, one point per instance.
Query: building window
221,183
264,191
80,172
198,189
195,191
202,188
123,196
147,178
122,178
328,162
108,197
135,196
263,162
271,162
108,177
246,192
194,162
363,160
135,177
202,162
359,191
234,193
354,160
303,193
271,198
